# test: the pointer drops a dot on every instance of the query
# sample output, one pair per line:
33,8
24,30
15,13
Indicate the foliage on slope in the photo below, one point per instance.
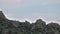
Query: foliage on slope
16,27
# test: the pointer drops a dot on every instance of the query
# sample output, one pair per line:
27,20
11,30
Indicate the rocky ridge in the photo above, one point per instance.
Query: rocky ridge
15,27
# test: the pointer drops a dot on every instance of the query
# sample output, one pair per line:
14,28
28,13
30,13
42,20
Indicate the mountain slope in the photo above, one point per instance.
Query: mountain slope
15,27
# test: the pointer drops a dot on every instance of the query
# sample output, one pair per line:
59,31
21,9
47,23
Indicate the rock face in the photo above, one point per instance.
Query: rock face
53,28
40,23
2,15
15,23
16,27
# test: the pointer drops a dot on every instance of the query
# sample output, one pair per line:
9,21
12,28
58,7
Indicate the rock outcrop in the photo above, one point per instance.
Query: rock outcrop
15,27
2,16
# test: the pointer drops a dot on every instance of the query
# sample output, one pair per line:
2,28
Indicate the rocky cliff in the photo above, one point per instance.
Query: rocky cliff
15,27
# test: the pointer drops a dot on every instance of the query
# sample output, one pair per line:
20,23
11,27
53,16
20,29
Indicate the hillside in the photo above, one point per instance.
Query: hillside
15,27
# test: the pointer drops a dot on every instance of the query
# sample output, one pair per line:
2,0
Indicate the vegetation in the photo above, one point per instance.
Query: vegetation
16,27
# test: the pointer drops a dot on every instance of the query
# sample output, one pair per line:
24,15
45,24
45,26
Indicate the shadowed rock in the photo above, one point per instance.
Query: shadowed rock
2,15
16,27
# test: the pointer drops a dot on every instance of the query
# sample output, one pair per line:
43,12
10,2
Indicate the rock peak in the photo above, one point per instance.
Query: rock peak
2,15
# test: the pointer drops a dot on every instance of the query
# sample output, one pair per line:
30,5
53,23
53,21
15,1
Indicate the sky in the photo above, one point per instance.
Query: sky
31,10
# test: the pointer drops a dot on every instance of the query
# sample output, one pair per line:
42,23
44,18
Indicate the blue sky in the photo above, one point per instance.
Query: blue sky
31,10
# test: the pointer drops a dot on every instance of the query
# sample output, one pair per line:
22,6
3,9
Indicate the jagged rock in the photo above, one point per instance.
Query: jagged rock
15,23
40,23
2,15
53,25
16,27
5,31
52,28
27,25
32,27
